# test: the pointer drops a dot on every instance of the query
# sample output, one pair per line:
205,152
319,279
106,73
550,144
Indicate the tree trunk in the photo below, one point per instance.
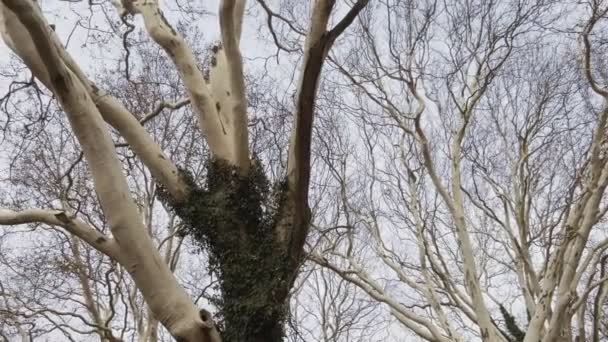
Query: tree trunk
235,218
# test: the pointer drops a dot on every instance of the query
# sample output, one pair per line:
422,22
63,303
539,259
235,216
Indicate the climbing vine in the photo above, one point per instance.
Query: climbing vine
514,331
233,217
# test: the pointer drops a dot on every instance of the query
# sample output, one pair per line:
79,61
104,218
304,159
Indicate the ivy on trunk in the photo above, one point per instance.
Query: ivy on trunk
234,217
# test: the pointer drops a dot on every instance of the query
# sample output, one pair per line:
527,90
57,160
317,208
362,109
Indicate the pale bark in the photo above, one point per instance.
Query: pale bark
23,334
105,333
356,275
560,278
403,64
103,243
169,302
221,107
430,291
455,205
487,329
111,109
219,137
231,19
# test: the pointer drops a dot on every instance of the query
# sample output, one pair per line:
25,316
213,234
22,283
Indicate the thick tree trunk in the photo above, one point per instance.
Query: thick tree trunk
235,217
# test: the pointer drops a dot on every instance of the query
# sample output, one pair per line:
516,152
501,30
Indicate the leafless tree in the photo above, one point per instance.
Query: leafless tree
254,239
451,187
482,183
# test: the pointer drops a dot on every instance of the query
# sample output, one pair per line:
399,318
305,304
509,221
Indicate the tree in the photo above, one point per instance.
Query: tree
327,309
482,187
254,236
79,293
453,182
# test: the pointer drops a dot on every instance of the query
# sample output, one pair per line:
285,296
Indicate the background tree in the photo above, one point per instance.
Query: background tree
481,192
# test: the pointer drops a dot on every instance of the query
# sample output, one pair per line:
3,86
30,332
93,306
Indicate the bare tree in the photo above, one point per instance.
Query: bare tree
482,186
60,286
455,172
255,239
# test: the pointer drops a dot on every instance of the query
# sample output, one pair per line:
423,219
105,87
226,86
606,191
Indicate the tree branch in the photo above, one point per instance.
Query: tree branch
231,17
166,298
186,64
587,54
79,228
317,45
347,20
161,106
113,112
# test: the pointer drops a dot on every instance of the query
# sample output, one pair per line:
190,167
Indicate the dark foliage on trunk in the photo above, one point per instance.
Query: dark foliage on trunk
515,334
234,217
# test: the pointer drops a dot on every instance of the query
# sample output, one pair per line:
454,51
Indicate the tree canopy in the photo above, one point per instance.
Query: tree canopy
306,171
